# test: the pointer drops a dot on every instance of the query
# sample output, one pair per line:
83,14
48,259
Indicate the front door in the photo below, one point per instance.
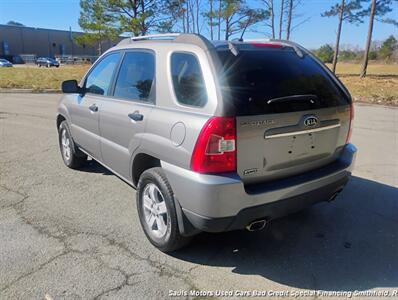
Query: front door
85,110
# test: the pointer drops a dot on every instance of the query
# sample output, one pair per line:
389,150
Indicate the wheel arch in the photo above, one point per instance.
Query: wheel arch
60,119
141,163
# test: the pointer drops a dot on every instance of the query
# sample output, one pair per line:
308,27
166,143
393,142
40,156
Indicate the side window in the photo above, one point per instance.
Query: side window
99,79
136,75
188,83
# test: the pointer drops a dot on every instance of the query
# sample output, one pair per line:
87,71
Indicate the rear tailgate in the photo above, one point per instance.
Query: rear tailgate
291,115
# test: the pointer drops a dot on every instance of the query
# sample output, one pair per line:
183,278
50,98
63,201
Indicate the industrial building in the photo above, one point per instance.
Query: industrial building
24,44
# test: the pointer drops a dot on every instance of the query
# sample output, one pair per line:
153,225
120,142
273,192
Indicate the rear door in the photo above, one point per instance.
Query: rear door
291,115
123,117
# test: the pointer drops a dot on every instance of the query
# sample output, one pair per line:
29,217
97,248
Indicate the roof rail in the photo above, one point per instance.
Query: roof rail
168,36
189,38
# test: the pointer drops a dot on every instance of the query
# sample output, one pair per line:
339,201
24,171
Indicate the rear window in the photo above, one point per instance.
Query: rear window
272,80
188,82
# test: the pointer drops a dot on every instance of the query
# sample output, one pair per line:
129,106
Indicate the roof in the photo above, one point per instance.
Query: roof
202,42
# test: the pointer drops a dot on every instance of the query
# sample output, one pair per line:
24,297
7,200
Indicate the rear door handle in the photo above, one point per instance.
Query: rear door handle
93,108
136,116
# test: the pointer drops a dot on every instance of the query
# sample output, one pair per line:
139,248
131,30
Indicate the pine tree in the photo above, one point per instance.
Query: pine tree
97,24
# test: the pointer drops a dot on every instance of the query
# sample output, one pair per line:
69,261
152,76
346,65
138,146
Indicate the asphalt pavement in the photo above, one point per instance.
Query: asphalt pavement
68,234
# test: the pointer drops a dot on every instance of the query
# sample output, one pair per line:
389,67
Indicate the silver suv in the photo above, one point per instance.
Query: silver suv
214,136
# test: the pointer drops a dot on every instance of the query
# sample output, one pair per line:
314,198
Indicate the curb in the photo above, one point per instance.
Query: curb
29,91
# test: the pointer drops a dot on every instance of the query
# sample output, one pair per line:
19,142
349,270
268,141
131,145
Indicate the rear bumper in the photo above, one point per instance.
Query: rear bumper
217,203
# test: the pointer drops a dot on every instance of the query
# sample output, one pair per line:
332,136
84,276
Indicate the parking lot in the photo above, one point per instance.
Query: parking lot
68,234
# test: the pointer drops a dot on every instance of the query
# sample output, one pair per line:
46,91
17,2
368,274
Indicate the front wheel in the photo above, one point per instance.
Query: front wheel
71,155
157,213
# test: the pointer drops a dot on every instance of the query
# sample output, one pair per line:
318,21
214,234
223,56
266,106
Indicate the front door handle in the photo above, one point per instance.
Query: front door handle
136,116
93,108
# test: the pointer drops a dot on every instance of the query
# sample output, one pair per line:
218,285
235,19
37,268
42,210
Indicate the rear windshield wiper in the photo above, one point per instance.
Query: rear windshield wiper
310,98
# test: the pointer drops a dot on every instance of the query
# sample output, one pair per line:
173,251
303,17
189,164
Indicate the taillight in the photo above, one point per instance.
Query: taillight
265,45
351,119
215,149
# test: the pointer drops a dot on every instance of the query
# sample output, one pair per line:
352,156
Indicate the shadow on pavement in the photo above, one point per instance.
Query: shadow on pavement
350,244
93,166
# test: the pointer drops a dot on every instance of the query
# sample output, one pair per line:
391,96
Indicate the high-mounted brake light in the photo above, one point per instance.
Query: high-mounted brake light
266,45
351,119
215,149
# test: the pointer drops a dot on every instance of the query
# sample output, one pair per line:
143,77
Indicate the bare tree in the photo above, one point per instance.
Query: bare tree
192,13
219,18
269,8
336,48
197,9
377,10
281,18
292,6
211,19
368,40
345,12
289,19
237,17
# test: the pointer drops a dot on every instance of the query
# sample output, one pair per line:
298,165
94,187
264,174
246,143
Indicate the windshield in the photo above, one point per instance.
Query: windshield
264,81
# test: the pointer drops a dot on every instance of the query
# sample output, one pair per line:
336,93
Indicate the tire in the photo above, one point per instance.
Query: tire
73,158
169,239
48,66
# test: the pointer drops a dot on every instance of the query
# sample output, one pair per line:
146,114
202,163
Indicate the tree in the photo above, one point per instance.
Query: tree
325,53
269,4
345,12
219,12
377,10
140,16
289,19
237,17
97,24
388,47
176,10
14,23
211,15
291,8
213,19
281,18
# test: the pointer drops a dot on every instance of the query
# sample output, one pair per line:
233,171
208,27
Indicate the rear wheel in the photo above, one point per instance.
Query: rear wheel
71,155
157,213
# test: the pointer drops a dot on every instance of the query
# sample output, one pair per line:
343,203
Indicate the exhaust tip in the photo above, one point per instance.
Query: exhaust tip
256,225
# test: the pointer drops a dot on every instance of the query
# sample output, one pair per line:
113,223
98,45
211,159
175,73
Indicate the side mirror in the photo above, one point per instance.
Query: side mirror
70,87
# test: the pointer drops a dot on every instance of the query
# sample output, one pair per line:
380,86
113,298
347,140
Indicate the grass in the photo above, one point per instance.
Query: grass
373,69
373,89
380,85
38,79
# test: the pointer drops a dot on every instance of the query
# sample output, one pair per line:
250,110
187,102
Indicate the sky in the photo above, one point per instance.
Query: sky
317,31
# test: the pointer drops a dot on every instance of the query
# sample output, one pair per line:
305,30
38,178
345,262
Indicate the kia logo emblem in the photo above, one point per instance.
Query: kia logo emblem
310,121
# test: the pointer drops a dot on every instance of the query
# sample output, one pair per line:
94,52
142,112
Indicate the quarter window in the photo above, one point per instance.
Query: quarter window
187,77
99,79
136,76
